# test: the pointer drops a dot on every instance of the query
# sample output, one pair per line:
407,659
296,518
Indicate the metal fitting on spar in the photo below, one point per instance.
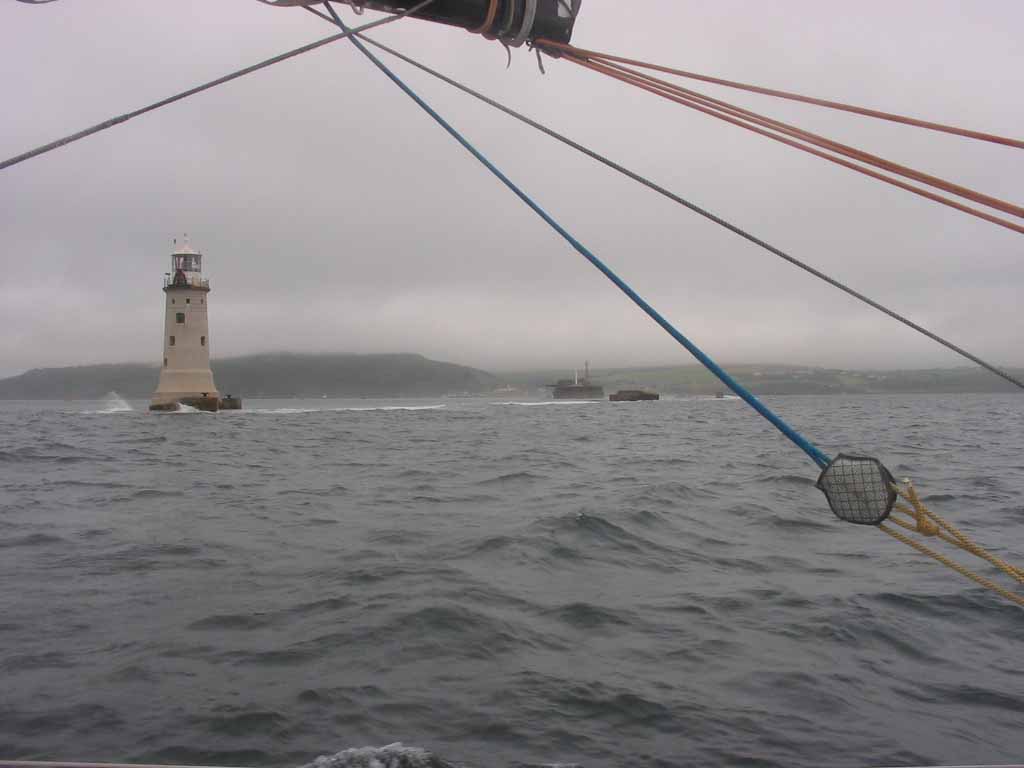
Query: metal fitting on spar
513,22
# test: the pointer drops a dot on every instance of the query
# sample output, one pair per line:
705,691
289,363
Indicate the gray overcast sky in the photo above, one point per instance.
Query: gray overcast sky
335,216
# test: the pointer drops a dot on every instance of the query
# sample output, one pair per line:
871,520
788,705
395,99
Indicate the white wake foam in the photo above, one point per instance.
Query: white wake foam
391,756
532,403
276,411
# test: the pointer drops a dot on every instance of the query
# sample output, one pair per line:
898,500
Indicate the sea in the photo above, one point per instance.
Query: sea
489,583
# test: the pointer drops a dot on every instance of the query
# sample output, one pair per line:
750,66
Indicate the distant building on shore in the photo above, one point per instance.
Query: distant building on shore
185,376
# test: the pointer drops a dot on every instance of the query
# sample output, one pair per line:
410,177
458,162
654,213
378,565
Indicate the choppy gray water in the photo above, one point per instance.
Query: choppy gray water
648,584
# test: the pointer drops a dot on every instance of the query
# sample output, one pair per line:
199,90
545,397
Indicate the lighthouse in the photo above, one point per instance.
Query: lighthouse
185,376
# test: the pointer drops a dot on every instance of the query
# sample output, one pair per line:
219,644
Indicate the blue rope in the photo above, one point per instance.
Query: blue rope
817,456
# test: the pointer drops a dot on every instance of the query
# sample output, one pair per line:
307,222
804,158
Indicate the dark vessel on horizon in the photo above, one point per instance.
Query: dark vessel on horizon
577,388
630,395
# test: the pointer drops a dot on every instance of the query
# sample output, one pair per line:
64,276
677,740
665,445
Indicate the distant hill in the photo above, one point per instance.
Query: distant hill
271,375
288,375
784,380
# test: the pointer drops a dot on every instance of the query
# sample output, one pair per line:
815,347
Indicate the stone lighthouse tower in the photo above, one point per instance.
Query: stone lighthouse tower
185,376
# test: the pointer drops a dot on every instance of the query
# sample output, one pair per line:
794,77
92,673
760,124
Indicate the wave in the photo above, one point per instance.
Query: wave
299,555
356,408
396,408
333,490
531,403
51,660
179,409
395,755
588,536
245,724
511,477
74,454
591,617
31,540
148,493
114,403
788,479
232,621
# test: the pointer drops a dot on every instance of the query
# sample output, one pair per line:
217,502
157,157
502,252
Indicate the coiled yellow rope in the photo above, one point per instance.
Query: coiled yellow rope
919,519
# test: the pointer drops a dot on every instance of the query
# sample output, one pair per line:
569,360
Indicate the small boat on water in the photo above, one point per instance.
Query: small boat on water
631,395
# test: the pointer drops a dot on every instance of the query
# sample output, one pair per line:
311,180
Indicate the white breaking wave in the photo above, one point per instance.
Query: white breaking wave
182,408
394,408
391,756
530,403
114,403
273,411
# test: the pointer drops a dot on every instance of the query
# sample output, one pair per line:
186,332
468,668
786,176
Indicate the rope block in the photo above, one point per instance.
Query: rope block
859,489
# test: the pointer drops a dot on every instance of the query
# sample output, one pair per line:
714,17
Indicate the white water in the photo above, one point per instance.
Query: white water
113,403
347,408
532,403
394,755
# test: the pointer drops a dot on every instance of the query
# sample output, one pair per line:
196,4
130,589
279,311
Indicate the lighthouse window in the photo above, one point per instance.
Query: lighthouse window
188,301
165,362
180,317
202,341
172,342
172,301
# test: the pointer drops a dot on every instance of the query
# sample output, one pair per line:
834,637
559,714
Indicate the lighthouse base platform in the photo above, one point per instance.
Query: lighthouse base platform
229,403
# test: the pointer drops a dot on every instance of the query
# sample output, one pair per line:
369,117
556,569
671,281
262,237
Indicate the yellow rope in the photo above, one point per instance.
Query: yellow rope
955,566
930,523
927,523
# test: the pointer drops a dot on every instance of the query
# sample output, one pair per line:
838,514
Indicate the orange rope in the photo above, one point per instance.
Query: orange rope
932,126
686,100
821,141
488,19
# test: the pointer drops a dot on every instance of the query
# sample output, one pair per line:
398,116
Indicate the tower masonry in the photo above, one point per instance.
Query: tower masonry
185,376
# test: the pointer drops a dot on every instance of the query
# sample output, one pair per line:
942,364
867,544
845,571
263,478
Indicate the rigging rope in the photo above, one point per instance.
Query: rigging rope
200,88
813,452
693,207
680,96
846,498
615,166
913,121
923,521
843,491
815,139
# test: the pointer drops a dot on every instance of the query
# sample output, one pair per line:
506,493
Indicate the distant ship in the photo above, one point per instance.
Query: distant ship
624,395
577,388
